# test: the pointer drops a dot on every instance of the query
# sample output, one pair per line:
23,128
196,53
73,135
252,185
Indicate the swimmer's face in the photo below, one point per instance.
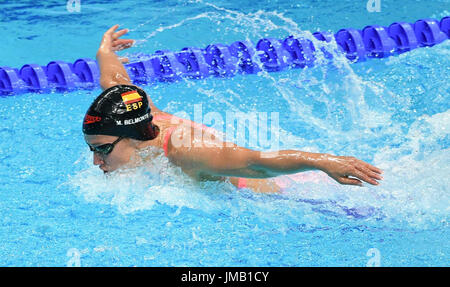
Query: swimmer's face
119,156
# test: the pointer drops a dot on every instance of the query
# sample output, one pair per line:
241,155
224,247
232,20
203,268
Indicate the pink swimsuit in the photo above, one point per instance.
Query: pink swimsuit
242,182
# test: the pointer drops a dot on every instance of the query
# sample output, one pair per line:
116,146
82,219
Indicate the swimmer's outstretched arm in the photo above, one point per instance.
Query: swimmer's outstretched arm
112,71
232,160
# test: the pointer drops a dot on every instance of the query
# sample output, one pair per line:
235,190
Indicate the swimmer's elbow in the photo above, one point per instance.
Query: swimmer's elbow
108,82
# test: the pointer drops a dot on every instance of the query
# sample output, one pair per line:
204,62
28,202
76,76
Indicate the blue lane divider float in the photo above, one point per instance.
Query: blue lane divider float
227,60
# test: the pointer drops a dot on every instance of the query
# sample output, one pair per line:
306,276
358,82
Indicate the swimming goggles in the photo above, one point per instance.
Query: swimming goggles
105,149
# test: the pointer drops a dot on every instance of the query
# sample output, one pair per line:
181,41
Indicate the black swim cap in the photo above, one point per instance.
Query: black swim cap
121,110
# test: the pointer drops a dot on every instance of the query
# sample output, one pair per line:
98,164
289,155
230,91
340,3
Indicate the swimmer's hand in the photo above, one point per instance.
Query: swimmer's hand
112,70
350,170
111,43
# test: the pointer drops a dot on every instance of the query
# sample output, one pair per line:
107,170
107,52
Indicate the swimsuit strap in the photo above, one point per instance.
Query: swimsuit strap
168,133
242,182
166,139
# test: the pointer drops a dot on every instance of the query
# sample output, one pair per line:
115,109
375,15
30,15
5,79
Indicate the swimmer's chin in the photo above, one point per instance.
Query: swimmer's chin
105,171
134,163
119,169
108,173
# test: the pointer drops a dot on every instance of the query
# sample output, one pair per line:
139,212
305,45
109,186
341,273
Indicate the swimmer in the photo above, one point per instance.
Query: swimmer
123,120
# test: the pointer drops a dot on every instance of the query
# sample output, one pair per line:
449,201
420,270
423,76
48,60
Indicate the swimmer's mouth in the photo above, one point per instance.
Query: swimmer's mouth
104,170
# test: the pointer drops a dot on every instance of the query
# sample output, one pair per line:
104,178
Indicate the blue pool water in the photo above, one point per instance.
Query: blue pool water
57,209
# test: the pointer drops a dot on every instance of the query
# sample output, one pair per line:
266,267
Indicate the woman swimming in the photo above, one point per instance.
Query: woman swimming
123,120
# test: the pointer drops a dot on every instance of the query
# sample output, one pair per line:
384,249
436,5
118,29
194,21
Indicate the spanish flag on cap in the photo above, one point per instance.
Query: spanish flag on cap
131,97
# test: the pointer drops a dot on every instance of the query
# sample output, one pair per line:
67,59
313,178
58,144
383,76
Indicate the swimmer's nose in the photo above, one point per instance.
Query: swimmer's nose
97,159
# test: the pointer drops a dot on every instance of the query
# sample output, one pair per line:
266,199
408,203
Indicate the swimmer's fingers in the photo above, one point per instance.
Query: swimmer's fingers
122,44
121,47
110,32
112,36
375,169
119,34
369,172
369,166
362,175
350,170
106,43
349,181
